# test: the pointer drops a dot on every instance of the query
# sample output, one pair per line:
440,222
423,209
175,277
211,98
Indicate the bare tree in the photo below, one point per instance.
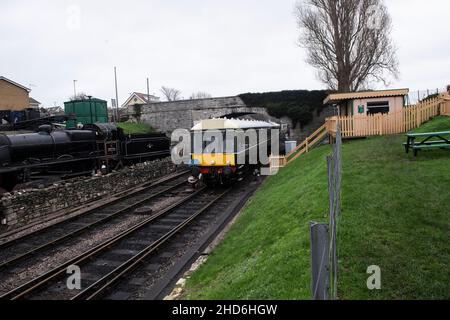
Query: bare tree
200,95
171,94
348,42
79,96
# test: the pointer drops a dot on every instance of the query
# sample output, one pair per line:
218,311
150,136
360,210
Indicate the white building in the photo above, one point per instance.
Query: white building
137,98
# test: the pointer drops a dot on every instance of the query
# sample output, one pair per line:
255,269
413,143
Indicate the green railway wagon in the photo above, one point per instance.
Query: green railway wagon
87,111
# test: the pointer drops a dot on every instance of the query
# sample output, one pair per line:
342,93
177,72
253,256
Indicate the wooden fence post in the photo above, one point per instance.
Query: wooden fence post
418,117
380,124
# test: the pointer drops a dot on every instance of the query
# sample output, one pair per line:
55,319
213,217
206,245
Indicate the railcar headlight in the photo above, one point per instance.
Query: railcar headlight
228,162
213,162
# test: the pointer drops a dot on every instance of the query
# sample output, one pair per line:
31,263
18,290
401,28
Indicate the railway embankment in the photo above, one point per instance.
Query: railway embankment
22,208
395,215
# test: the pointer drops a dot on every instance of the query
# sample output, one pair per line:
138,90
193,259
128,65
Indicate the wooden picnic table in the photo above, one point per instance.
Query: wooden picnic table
430,140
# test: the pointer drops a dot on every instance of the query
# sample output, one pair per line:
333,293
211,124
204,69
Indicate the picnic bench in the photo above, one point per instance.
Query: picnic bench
424,141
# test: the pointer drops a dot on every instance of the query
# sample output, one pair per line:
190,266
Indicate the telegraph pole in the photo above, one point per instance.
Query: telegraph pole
75,89
148,91
117,95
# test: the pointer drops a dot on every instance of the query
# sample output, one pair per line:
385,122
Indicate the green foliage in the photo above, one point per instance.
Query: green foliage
299,105
135,128
439,124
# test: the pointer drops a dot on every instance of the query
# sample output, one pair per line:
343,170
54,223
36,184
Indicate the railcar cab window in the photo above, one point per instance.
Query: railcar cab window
379,107
226,141
208,142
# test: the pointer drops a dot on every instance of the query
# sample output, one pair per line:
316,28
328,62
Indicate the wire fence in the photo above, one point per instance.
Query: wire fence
415,97
324,246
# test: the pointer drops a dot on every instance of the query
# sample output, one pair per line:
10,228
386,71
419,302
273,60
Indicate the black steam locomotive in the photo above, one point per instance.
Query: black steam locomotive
69,153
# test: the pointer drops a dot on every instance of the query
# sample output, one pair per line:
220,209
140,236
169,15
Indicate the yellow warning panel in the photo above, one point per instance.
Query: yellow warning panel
214,160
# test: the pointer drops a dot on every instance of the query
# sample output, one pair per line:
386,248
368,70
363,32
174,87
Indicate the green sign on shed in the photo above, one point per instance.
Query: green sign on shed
88,111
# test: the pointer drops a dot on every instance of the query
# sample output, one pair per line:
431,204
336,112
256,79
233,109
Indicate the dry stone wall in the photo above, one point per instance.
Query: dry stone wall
21,208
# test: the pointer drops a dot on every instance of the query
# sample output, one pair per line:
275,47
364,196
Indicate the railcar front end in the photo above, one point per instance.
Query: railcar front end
222,162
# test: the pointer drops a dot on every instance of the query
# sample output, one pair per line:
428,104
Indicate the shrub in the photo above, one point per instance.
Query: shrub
299,105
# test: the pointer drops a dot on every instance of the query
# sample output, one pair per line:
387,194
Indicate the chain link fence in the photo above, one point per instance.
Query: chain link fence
324,249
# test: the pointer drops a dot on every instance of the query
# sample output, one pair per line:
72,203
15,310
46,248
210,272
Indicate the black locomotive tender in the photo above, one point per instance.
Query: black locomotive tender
68,153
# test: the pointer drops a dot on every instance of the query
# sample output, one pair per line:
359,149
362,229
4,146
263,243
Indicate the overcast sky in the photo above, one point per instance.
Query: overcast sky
221,47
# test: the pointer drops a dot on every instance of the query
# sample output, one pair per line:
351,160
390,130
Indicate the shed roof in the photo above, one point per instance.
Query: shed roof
339,97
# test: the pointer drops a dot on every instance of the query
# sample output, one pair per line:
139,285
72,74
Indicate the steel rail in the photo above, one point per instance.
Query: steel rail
41,281
99,287
116,199
87,227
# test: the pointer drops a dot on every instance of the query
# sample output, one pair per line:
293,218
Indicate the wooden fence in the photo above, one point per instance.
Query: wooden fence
409,118
276,163
308,144
445,106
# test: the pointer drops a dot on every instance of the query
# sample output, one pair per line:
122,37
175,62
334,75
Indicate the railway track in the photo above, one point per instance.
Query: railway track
105,265
31,245
158,274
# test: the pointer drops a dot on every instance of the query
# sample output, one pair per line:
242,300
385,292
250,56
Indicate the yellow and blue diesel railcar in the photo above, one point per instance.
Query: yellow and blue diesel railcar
224,162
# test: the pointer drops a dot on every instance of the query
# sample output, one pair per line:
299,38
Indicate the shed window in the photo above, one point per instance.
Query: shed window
378,107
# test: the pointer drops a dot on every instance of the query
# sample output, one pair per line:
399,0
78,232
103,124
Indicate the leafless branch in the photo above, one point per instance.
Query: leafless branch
79,96
171,94
200,95
348,42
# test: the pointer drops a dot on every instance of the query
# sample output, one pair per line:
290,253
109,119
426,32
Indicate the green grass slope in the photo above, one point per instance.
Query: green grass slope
135,128
395,215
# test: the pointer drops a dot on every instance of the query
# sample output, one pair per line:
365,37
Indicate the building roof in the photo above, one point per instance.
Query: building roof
145,96
54,110
222,124
34,101
339,97
142,96
15,83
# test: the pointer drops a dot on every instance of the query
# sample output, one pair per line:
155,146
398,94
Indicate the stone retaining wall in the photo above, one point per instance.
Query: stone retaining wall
29,206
